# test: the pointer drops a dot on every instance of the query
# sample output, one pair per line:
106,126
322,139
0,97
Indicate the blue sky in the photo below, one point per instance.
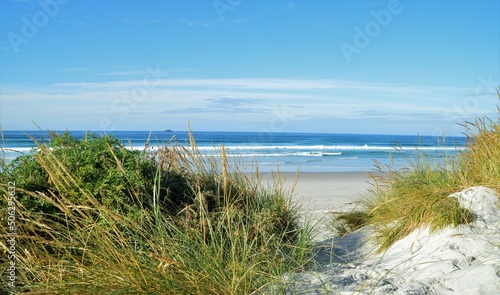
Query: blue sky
390,66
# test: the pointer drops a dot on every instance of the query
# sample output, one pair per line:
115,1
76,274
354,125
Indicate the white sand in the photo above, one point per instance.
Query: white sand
461,260
323,193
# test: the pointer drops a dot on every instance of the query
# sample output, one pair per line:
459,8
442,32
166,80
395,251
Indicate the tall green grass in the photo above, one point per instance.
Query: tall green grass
229,234
406,200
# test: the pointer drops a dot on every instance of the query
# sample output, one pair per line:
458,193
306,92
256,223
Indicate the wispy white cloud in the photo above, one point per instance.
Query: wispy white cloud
325,23
374,4
85,68
81,23
226,105
123,73
198,23
268,83
312,90
235,102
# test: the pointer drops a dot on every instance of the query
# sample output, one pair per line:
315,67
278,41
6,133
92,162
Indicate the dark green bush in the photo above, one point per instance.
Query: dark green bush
118,178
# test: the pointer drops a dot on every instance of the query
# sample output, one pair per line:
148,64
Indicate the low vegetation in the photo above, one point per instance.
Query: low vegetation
404,201
94,217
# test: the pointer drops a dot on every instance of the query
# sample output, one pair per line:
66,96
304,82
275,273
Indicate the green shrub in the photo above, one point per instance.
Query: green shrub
108,171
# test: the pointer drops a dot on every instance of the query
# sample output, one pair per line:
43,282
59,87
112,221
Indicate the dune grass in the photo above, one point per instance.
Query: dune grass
406,200
227,234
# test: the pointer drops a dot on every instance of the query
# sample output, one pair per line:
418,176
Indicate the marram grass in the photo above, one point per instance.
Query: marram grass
228,234
406,200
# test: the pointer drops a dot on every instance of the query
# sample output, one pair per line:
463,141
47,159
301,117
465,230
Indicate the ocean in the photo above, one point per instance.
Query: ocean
288,152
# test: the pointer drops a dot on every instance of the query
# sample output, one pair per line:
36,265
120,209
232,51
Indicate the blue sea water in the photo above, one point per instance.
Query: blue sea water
291,152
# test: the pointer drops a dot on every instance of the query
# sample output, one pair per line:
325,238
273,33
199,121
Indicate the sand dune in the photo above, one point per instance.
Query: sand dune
455,260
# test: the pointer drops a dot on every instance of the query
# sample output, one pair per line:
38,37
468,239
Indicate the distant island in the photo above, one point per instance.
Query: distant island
168,130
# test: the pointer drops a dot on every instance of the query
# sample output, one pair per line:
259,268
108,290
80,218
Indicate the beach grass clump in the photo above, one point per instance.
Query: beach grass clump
479,163
406,200
178,222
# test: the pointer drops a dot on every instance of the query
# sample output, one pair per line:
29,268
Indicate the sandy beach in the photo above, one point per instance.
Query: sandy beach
326,192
